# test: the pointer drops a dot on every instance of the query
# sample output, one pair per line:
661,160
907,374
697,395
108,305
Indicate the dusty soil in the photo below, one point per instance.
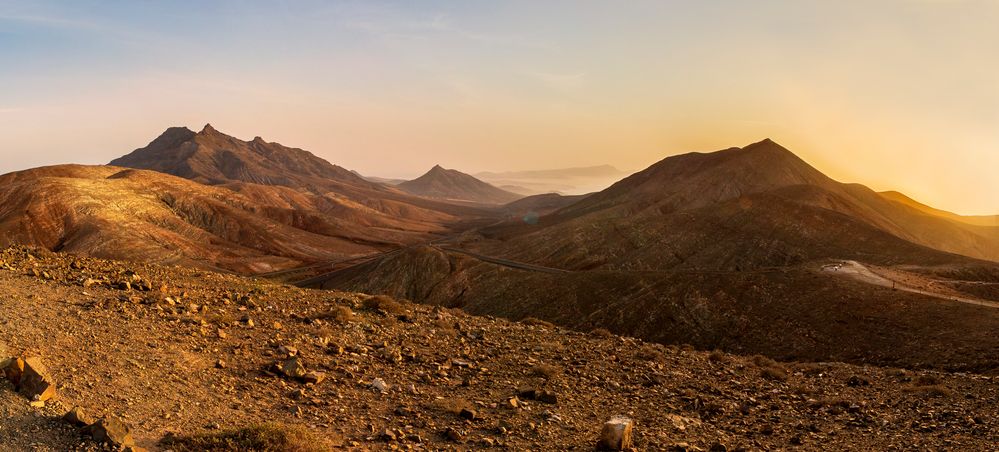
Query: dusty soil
152,358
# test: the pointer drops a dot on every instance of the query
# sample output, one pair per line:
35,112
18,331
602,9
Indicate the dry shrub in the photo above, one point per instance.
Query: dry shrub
339,314
930,390
763,361
810,368
270,437
717,356
775,373
546,371
444,326
384,303
602,332
649,353
536,322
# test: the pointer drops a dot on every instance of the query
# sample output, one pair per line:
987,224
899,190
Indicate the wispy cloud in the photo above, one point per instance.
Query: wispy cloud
393,26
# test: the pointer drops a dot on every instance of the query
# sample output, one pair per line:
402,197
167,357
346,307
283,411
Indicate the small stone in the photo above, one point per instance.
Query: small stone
287,350
546,397
277,325
513,402
292,368
314,377
220,364
616,434
380,385
109,430
454,435
468,414
78,417
37,404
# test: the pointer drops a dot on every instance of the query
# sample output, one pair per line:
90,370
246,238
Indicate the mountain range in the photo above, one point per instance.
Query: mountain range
749,249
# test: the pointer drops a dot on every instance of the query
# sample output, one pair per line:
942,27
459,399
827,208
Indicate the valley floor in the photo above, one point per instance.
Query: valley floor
194,354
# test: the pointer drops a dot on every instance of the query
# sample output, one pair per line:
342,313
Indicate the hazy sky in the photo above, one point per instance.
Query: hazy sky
893,94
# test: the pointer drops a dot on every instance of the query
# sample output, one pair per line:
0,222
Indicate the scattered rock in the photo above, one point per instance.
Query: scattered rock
313,377
36,384
292,368
380,385
468,413
616,434
77,417
111,431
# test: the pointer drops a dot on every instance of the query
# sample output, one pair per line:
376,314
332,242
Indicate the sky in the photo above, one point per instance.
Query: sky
894,94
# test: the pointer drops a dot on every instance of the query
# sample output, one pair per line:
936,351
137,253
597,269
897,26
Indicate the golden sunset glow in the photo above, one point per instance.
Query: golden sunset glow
900,95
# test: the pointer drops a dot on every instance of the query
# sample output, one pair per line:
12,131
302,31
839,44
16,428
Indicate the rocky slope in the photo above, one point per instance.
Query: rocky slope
195,355
726,250
449,184
153,217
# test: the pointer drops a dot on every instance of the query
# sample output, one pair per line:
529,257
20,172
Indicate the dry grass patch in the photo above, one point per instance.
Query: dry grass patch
717,356
602,332
270,437
930,390
532,321
649,353
339,314
384,303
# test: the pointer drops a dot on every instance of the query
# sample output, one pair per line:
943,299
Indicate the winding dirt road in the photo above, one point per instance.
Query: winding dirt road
858,271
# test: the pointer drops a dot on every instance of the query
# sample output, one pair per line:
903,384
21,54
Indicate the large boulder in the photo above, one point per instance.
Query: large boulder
36,384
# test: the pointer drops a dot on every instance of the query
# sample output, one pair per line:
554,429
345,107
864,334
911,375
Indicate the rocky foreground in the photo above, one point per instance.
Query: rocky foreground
180,356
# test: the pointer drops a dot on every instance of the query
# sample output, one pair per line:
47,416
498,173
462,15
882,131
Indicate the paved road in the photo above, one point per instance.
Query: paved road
858,271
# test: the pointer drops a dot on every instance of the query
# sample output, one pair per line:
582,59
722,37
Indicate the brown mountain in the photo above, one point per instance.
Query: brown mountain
139,215
449,184
214,158
730,249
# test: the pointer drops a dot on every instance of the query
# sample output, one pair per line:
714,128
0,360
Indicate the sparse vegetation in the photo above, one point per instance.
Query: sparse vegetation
937,390
384,303
536,322
270,437
649,352
717,356
339,314
602,332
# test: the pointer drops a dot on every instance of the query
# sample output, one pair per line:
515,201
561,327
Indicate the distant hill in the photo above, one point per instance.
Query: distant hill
566,180
562,173
977,220
449,184
380,180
